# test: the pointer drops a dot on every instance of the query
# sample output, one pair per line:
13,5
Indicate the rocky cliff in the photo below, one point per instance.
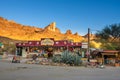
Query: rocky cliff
13,30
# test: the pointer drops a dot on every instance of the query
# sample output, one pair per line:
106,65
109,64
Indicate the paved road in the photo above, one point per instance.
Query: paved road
12,71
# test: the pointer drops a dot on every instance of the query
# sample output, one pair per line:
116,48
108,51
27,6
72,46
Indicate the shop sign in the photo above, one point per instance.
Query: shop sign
93,60
84,45
47,41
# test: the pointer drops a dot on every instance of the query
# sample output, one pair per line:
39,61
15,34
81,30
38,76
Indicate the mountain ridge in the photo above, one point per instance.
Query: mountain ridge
13,30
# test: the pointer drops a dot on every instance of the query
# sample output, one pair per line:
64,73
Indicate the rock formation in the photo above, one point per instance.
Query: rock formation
52,27
68,32
13,30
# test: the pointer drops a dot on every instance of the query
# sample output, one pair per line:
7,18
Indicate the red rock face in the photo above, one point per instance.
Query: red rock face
13,30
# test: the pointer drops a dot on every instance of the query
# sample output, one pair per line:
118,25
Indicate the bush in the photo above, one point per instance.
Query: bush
68,57
56,58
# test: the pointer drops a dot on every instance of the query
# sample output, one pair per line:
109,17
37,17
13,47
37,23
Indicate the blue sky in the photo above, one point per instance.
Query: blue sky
76,15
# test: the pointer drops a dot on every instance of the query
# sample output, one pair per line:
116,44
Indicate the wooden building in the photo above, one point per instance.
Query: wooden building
44,45
107,57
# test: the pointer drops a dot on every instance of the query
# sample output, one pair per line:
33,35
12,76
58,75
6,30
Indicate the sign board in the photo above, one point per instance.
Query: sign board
93,60
84,45
47,41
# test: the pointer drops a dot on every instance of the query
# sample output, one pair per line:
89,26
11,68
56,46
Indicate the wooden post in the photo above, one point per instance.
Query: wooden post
102,59
89,40
88,50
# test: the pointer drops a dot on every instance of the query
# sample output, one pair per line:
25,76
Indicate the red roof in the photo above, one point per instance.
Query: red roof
109,51
21,44
105,52
34,43
56,43
74,44
60,43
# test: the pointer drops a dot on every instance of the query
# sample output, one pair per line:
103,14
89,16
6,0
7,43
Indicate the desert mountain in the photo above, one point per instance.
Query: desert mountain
52,27
13,30
68,32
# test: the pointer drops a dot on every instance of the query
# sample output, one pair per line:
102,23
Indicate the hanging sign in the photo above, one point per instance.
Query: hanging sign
84,45
47,41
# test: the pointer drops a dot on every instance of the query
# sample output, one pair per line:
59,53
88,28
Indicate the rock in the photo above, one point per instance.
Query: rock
68,32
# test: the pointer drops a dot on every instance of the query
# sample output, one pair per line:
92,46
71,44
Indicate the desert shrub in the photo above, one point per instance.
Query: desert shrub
68,57
56,58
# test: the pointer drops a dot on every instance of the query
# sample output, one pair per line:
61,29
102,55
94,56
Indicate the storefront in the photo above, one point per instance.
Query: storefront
44,46
107,57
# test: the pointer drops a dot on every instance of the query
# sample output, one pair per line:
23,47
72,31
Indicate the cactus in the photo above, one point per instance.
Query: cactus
70,58
77,60
56,58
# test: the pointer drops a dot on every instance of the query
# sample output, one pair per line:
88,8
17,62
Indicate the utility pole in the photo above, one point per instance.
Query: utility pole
88,41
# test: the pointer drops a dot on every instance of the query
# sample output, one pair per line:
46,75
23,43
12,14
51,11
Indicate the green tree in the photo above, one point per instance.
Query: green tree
110,37
110,33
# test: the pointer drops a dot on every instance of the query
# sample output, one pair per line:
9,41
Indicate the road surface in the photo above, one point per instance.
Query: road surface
16,71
